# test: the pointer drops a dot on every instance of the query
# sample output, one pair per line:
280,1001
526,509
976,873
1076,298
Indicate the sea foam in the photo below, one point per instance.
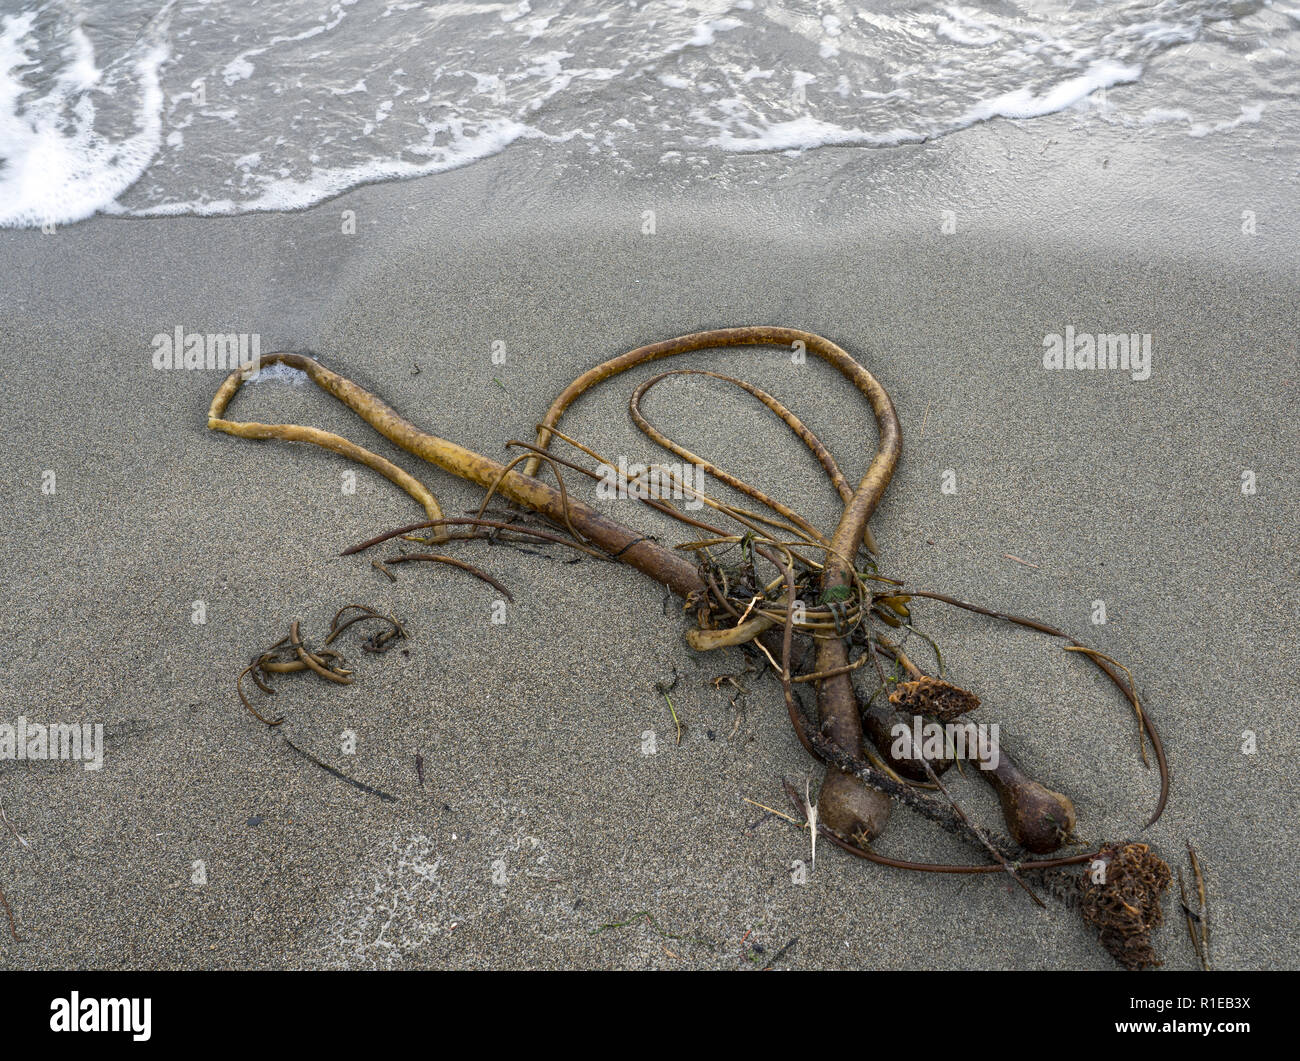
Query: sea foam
287,103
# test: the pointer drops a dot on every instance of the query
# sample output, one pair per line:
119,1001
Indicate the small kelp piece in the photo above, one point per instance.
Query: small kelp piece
1121,899
933,698
325,662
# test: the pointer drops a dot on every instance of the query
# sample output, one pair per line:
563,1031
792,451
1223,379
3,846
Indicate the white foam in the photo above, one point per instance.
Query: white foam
806,132
1024,104
1251,114
279,373
706,32
509,14
965,29
291,193
238,69
1164,115
801,134
55,167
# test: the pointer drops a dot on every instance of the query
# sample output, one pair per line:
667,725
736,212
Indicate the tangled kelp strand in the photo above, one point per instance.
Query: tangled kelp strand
808,616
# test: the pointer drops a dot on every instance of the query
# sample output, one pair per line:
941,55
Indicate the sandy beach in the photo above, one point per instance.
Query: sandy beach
204,842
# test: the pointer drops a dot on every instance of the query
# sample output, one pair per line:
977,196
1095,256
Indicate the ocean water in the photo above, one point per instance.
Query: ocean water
208,108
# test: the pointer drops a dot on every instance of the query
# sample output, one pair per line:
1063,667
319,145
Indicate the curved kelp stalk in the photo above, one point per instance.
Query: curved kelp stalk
821,601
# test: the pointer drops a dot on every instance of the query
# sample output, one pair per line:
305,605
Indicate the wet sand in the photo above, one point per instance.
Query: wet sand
541,819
